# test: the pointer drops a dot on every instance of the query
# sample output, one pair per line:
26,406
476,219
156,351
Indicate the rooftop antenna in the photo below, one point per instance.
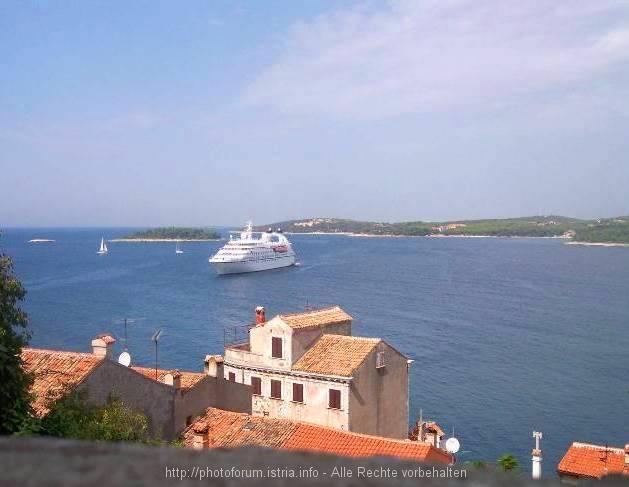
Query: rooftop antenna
125,357
453,446
155,338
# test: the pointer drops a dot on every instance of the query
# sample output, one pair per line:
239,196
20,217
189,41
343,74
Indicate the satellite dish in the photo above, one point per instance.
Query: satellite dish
124,359
452,445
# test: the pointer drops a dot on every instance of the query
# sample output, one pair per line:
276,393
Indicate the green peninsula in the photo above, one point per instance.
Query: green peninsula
611,231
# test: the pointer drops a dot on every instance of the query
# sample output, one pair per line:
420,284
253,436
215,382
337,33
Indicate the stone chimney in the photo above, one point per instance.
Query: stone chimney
173,378
213,365
260,315
201,438
103,345
537,456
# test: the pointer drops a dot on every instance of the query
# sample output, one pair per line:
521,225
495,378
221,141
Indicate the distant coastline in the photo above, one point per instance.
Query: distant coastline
147,240
597,244
612,231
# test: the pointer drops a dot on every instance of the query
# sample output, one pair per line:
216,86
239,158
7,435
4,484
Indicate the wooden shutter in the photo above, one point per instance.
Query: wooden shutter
276,347
335,399
298,392
276,389
256,386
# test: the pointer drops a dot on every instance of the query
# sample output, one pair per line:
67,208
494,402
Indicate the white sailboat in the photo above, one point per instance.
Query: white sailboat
178,249
103,247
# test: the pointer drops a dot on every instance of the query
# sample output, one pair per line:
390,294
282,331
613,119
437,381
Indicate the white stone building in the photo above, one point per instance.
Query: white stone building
307,367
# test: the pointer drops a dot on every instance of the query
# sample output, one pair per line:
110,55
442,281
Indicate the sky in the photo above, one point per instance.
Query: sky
141,113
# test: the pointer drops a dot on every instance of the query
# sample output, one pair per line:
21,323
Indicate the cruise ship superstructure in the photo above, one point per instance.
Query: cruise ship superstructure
250,251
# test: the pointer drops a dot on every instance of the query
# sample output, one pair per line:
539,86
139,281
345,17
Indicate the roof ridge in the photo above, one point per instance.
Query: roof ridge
352,337
592,446
312,311
66,352
166,371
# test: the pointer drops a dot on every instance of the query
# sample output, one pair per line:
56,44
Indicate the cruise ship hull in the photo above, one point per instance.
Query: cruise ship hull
240,267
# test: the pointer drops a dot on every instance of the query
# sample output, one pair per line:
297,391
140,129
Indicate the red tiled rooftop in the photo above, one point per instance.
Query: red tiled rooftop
594,461
55,373
226,429
188,379
336,355
318,317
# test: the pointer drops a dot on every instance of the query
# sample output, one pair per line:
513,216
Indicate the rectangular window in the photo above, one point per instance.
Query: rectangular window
298,392
380,361
276,347
256,386
334,399
276,389
232,377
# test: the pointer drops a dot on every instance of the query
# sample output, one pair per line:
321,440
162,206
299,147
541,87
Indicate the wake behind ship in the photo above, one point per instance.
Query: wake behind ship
250,251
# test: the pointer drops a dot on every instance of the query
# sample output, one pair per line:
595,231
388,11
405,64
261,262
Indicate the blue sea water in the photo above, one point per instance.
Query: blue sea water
507,335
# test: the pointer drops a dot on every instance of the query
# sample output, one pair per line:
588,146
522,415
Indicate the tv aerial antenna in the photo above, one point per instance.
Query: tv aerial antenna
125,357
155,339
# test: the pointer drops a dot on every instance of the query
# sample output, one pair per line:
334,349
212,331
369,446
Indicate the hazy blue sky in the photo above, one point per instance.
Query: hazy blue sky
149,112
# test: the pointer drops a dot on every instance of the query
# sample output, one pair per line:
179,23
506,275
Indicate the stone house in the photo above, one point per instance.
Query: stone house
307,367
171,400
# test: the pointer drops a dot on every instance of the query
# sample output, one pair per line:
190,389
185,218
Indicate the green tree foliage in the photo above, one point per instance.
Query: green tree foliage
508,462
534,226
74,417
181,233
14,381
605,231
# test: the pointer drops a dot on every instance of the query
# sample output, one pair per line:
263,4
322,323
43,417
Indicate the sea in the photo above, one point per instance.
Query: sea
507,335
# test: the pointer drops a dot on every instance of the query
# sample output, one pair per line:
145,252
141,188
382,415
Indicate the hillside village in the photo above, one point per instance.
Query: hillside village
299,381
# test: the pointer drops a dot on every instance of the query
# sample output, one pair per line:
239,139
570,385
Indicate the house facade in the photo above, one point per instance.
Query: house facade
308,367
170,399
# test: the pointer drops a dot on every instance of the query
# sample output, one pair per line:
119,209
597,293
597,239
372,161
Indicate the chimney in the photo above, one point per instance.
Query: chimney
213,365
103,345
260,315
200,439
537,456
173,378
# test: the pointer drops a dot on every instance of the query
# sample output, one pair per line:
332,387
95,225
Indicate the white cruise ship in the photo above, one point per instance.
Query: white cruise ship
250,251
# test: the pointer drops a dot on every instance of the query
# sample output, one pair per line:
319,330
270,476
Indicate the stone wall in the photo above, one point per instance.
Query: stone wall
33,462
154,399
379,396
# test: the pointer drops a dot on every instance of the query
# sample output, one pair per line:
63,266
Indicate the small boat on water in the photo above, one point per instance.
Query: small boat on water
250,251
103,247
178,248
41,240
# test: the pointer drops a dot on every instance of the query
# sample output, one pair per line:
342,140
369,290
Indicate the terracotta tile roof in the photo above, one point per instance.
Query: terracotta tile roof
188,379
336,355
594,461
226,429
318,317
56,373
337,442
